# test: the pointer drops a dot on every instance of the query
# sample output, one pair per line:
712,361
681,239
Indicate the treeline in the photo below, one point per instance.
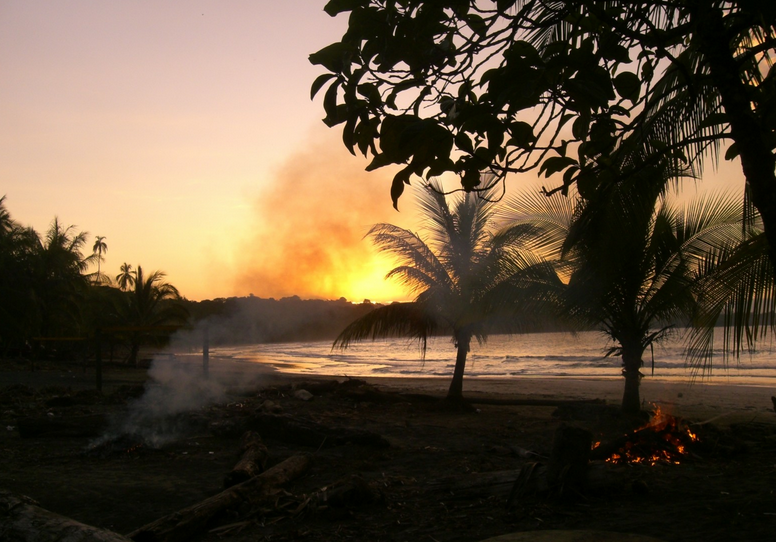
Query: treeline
250,320
245,320
52,306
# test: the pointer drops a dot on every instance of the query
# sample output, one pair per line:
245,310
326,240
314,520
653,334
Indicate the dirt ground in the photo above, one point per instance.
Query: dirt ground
412,485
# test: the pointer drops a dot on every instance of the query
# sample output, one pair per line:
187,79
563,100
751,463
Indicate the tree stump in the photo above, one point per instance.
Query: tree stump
567,467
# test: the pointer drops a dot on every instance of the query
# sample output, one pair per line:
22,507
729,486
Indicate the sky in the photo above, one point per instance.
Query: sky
183,132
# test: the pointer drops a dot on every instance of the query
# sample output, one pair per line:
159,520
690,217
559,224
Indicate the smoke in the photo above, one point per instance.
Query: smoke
177,388
309,229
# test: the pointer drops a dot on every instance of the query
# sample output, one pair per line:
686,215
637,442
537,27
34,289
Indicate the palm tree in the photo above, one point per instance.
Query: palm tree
635,259
99,247
151,303
19,314
461,277
736,288
60,280
126,279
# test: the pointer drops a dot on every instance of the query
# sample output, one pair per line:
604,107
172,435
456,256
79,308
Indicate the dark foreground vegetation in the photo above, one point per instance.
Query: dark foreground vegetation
383,466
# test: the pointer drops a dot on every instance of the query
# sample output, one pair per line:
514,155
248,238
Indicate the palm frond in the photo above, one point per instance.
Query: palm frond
735,287
395,320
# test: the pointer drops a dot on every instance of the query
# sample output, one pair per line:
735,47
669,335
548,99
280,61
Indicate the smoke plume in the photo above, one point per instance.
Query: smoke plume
310,225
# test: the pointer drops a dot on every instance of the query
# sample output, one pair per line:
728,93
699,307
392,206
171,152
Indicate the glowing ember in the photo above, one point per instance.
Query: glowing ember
663,439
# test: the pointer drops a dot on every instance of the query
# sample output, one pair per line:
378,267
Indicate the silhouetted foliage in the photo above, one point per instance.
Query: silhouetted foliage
635,261
577,89
48,302
463,277
247,320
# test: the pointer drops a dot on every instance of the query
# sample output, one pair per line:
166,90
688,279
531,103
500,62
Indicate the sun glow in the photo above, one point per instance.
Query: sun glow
309,225
371,284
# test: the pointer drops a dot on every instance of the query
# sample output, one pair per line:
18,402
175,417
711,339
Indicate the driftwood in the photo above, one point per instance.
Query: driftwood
253,460
309,433
22,520
184,524
54,426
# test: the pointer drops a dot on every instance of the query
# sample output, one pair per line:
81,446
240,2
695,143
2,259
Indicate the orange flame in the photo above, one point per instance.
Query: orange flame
645,446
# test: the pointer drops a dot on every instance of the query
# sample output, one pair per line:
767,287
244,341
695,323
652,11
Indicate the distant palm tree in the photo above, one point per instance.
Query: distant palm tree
100,247
6,223
150,303
462,278
635,261
126,279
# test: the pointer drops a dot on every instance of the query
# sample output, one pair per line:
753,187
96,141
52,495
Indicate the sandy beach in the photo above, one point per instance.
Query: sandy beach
724,403
722,492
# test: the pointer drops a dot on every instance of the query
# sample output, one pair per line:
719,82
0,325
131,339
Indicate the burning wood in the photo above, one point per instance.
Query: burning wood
664,439
119,445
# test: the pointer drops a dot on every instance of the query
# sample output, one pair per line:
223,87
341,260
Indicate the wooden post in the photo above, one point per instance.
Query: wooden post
206,350
98,357
567,467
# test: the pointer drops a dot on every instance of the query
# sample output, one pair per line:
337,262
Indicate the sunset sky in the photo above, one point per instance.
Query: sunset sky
183,132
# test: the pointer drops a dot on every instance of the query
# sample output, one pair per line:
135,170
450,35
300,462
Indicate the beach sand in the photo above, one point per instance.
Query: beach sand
724,403
723,493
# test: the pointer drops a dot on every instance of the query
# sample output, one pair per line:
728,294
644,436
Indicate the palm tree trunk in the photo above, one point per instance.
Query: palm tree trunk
750,133
455,392
133,351
631,362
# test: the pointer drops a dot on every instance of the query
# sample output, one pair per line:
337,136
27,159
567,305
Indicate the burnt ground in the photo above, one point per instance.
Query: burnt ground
413,488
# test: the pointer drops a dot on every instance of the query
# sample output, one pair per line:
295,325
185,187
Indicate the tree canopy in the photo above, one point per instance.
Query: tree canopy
584,90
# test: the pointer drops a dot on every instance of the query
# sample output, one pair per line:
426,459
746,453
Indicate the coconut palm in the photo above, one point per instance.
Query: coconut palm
635,258
19,314
461,277
736,289
60,279
150,303
99,248
126,279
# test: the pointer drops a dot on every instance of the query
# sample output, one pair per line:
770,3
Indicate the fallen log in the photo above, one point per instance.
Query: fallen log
312,434
253,460
184,524
54,426
22,520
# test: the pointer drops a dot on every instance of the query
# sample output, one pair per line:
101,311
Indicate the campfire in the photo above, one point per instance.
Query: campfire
118,445
664,439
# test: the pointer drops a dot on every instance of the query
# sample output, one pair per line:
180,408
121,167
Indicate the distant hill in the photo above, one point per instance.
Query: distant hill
250,320
245,320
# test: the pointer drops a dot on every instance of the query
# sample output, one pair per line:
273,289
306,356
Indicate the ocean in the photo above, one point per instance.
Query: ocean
502,356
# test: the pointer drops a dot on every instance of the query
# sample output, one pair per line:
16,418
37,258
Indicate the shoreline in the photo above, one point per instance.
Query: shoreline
699,400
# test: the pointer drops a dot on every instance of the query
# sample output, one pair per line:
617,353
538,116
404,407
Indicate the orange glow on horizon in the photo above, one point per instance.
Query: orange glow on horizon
308,233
